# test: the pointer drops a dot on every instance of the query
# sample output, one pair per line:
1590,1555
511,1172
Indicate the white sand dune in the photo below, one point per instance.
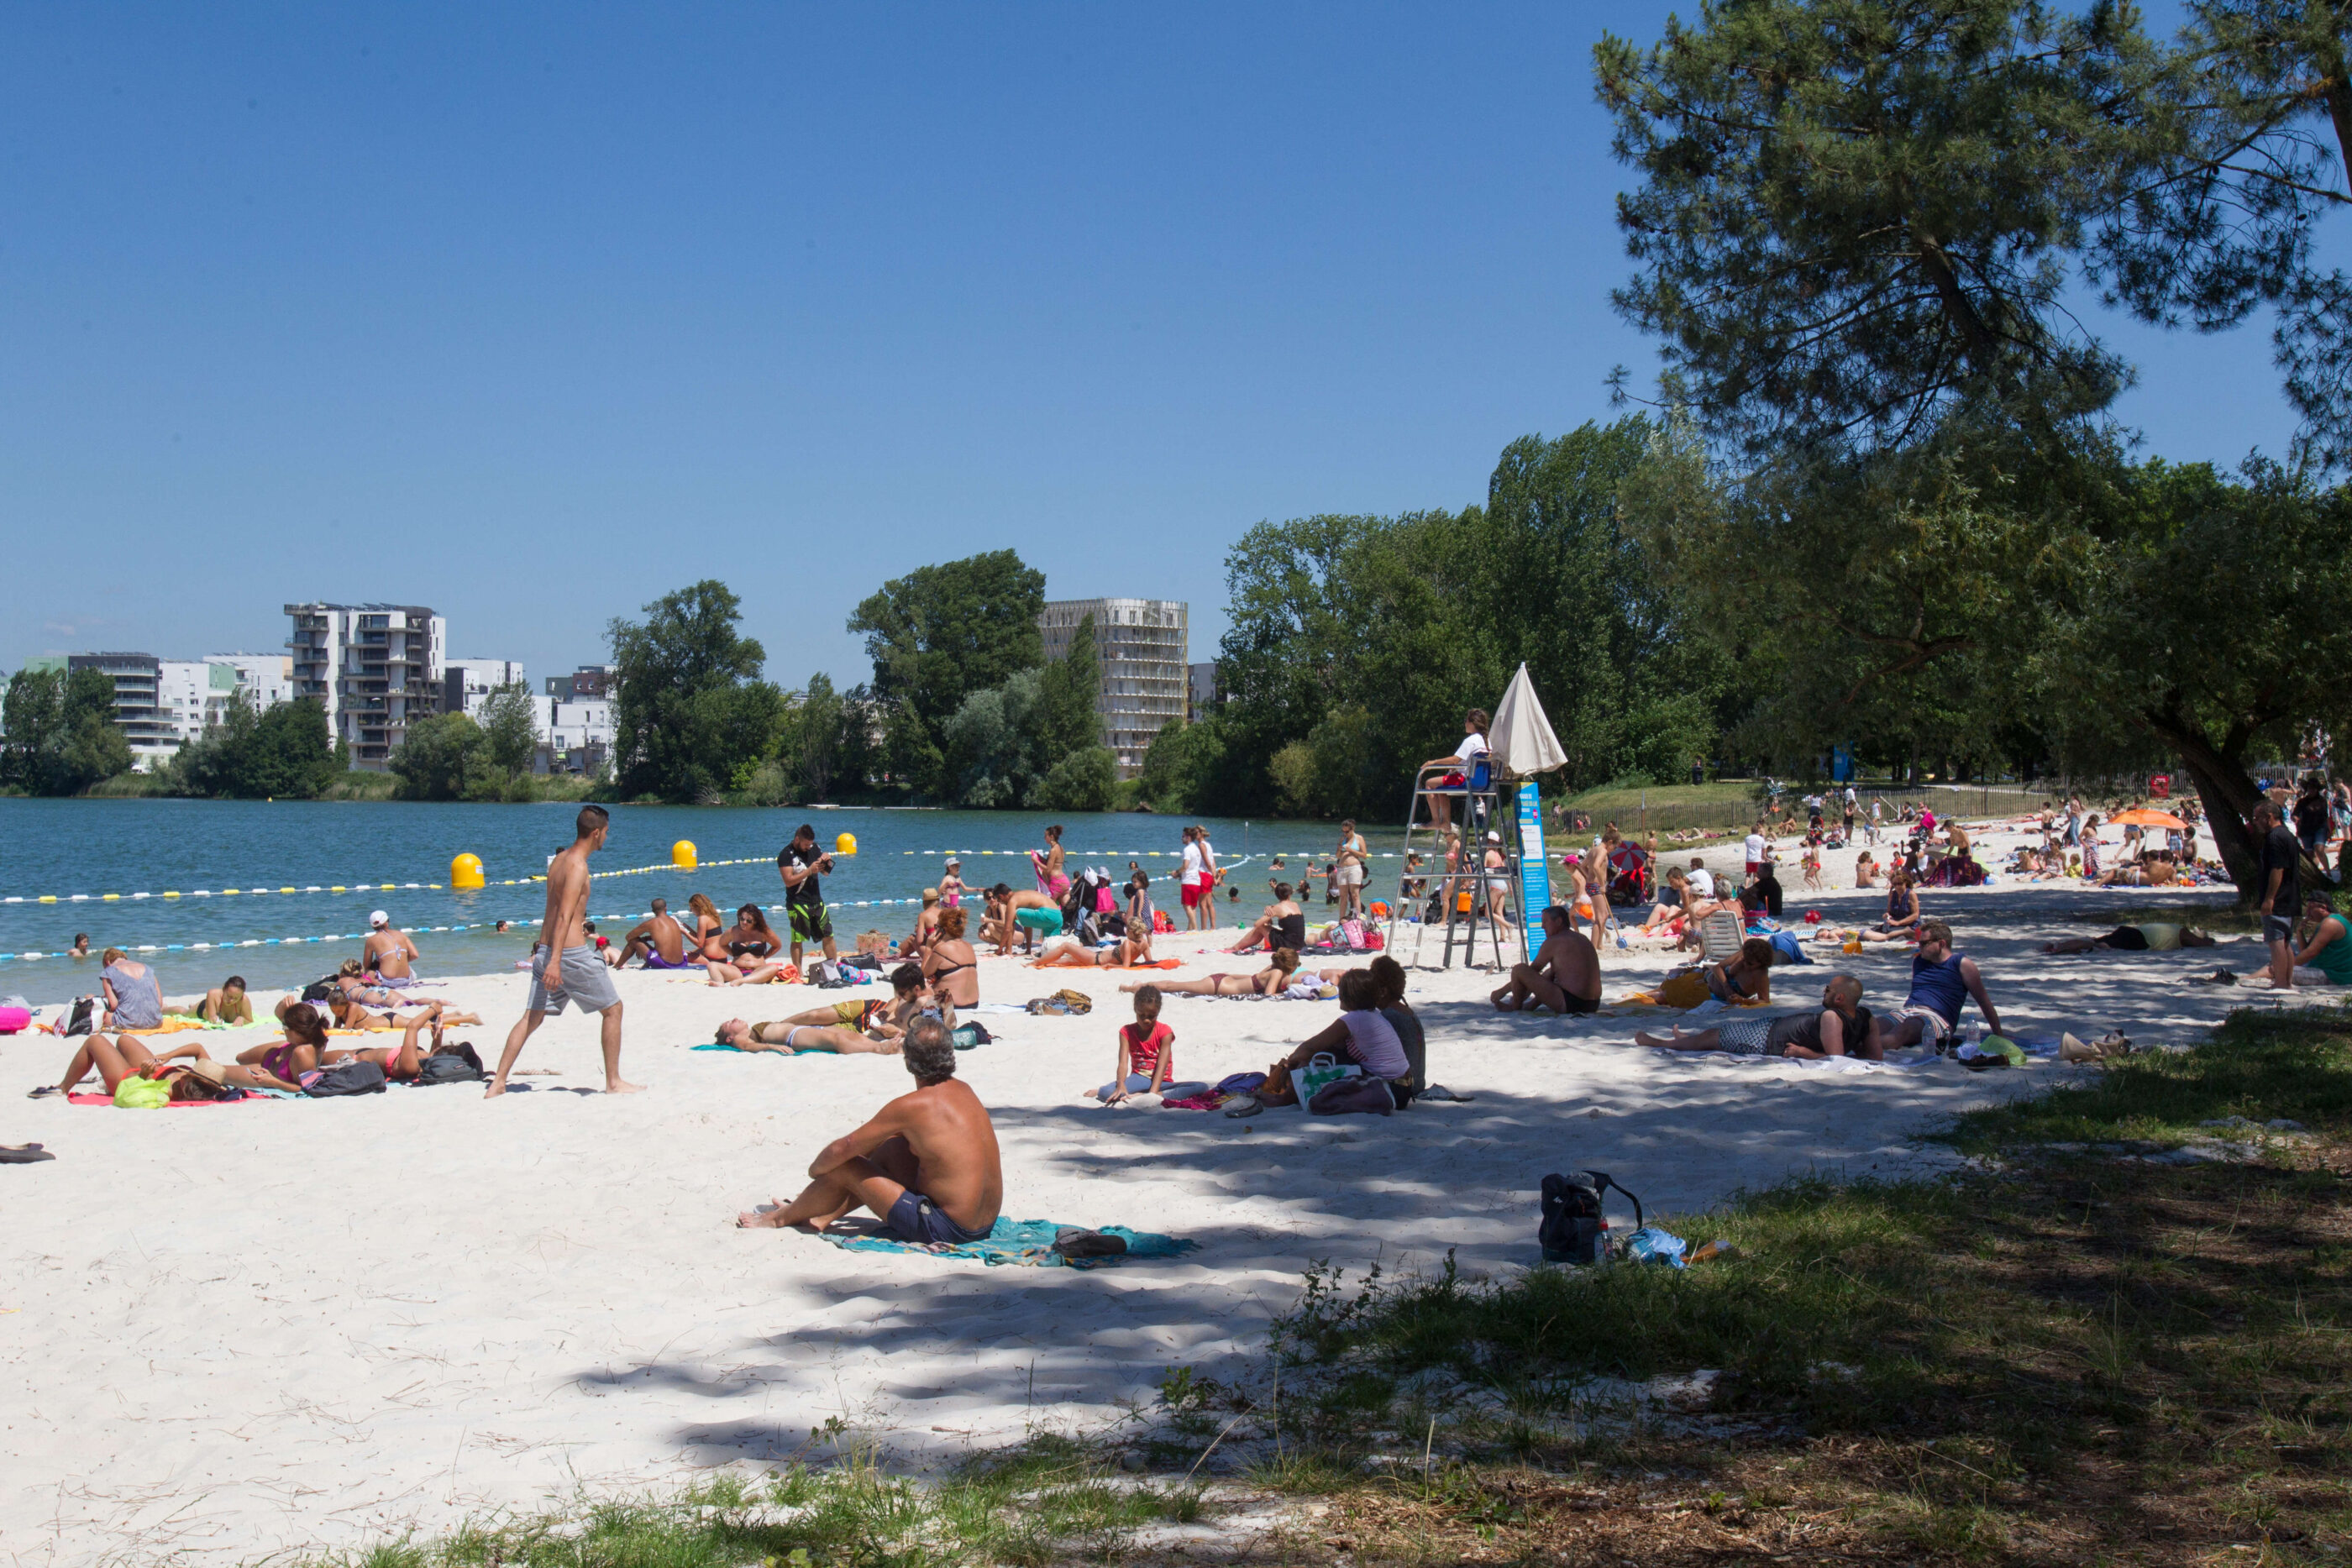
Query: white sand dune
233,1331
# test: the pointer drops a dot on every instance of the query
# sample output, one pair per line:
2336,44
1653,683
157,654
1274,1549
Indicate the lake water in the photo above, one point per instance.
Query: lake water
93,848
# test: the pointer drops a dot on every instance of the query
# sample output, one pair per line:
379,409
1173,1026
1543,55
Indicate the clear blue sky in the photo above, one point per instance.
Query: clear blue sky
533,313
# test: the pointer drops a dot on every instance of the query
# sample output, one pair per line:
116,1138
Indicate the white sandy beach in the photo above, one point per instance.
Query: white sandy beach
240,1330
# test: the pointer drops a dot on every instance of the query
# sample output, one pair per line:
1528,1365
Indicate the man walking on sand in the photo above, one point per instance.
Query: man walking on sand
927,1162
563,967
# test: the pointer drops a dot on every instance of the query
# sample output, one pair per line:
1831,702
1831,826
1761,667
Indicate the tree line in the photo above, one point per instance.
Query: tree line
963,708
62,740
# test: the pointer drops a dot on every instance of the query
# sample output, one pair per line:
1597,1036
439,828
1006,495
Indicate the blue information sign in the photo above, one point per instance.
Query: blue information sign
1535,871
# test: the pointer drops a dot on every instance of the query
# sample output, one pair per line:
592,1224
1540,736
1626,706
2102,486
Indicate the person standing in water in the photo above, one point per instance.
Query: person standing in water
564,969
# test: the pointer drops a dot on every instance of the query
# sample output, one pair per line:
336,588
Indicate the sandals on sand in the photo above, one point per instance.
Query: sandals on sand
44,1092
24,1155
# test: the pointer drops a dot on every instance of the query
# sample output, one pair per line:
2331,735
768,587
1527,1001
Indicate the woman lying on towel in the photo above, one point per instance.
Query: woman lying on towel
1126,953
346,1012
1741,981
199,1078
1841,1026
1266,982
792,1036
402,1063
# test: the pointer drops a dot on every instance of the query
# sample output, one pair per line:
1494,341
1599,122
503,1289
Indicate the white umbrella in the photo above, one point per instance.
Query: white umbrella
1521,736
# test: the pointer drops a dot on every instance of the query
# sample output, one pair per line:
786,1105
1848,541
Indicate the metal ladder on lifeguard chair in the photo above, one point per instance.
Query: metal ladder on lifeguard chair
1461,897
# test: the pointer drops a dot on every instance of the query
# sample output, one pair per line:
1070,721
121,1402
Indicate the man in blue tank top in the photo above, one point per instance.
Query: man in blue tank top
1942,982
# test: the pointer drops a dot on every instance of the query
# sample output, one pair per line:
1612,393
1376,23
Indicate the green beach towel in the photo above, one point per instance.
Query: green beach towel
1026,1243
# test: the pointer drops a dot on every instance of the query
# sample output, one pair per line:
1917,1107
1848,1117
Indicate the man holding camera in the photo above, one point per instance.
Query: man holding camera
800,863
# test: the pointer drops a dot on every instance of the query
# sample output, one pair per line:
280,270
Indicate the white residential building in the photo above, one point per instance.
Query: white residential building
578,734
160,704
376,668
264,680
466,683
1140,645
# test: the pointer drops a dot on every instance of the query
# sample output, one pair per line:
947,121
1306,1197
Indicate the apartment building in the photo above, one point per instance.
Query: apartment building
1201,692
1140,646
263,680
377,668
584,682
160,704
466,683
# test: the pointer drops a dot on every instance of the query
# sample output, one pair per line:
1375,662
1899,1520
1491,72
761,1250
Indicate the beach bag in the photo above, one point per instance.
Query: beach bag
1353,1096
453,1064
829,976
1308,1081
1065,1001
1161,923
1352,933
1573,1224
137,1094
968,1035
346,1078
80,1016
320,990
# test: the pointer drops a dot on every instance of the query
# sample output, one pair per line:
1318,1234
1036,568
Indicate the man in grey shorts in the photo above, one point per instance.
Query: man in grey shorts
563,967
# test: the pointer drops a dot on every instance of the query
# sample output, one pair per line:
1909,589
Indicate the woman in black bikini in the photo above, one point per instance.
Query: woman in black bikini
1267,982
950,968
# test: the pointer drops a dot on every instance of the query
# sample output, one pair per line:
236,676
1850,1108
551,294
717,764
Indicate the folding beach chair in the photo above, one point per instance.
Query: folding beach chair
1719,935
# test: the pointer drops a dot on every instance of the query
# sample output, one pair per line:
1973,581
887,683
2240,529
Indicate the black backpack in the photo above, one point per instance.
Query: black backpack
347,1078
1572,1220
451,1064
320,990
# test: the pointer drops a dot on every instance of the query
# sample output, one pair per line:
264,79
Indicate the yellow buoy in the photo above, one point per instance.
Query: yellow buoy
681,854
466,870
845,845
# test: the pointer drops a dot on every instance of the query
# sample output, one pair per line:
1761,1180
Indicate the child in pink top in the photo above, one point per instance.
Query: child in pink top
1146,1059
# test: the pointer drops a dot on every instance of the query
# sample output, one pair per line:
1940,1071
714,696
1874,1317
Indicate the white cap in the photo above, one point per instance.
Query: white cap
378,919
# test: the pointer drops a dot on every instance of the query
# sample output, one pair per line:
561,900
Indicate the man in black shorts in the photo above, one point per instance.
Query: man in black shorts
799,863
1565,976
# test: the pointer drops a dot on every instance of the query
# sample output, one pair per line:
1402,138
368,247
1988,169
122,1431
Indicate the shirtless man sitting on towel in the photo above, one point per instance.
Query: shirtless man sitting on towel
927,1162
1565,976
659,940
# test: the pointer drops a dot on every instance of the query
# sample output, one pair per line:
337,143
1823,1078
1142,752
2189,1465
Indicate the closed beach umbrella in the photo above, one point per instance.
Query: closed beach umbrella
2141,816
1520,736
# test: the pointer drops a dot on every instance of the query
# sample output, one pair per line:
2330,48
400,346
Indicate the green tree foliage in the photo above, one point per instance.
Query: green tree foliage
938,634
1853,214
62,732
1069,691
1357,643
286,754
992,746
819,736
510,729
2216,621
1952,556
2256,105
444,757
1086,779
692,717
1180,770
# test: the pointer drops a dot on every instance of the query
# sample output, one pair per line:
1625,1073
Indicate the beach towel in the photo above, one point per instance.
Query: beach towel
1027,1243
108,1100
174,1024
